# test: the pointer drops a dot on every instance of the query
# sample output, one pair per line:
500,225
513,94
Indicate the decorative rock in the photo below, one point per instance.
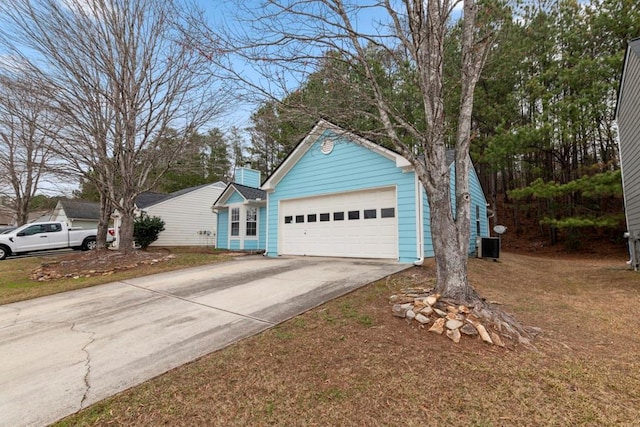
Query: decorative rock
438,326
464,309
453,324
452,309
400,310
440,312
432,299
469,329
427,310
400,299
422,319
418,305
454,335
483,333
473,319
410,314
452,316
496,339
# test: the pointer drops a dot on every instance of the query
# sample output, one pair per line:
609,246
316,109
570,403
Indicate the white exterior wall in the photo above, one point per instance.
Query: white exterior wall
60,215
188,218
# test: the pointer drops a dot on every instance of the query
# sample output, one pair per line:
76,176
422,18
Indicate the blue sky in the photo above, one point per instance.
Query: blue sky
224,11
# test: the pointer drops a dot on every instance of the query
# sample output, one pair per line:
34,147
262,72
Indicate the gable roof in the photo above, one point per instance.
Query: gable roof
250,194
79,209
197,187
148,198
316,133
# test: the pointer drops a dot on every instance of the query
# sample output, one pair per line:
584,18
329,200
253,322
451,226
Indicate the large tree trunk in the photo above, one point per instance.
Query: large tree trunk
451,262
126,233
127,216
450,236
103,221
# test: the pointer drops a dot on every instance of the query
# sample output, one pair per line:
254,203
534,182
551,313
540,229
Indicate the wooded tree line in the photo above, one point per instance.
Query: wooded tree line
543,116
107,92
86,107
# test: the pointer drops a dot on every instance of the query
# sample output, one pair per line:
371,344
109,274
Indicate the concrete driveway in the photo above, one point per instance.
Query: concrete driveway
61,353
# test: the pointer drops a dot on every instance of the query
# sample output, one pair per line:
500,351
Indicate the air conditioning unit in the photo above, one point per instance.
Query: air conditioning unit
488,247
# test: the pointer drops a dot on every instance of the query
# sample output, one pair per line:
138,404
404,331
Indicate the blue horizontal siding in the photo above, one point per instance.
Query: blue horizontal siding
235,198
262,228
349,167
427,241
248,177
477,199
251,245
234,244
222,238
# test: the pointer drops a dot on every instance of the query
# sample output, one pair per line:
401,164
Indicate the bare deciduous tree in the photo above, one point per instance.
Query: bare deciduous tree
26,129
120,76
287,40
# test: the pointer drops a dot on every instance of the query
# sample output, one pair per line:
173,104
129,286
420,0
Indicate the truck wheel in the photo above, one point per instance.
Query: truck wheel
89,244
4,252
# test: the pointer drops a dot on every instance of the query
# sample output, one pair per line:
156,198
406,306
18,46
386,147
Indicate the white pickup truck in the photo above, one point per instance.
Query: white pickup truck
44,236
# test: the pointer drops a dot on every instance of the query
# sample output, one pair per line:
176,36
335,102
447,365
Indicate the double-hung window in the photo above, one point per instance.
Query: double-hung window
235,221
252,225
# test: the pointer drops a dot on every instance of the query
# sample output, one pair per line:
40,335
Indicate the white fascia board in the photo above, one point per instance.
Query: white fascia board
225,195
296,154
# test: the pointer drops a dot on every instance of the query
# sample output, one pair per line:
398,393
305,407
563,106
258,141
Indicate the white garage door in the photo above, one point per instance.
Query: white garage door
359,224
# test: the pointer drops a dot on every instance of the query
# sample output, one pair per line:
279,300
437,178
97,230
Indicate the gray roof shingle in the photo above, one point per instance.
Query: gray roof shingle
148,198
78,209
250,193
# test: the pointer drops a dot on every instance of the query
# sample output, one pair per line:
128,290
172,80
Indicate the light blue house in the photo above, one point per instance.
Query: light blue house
337,194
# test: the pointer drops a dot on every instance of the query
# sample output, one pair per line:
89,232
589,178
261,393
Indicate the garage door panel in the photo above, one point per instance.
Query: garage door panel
364,237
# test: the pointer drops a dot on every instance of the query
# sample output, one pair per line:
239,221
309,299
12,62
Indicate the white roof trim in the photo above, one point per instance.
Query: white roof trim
312,137
224,196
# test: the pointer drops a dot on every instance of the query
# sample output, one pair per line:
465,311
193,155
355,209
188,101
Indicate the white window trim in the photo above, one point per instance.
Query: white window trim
242,236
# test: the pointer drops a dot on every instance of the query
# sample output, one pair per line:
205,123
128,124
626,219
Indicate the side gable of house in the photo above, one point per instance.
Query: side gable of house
628,119
189,220
479,220
77,213
333,174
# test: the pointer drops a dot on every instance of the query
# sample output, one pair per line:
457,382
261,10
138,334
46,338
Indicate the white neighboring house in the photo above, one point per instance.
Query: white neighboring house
187,215
77,213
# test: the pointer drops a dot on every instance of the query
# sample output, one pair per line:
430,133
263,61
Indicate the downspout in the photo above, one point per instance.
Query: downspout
266,231
419,222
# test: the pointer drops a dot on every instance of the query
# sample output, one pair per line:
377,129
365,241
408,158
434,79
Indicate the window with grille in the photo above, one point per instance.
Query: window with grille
235,221
252,224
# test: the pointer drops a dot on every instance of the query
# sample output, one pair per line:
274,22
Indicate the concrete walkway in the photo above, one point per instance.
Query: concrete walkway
61,353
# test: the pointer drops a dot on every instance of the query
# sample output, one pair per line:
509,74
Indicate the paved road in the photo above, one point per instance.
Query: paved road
61,353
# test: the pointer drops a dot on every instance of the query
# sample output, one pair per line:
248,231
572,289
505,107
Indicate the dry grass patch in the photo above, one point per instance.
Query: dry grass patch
350,362
69,271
